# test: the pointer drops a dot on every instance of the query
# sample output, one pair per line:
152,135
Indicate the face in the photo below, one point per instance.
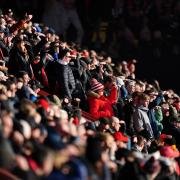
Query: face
131,88
143,88
132,68
26,79
135,100
124,66
115,124
1,35
108,85
137,88
21,46
144,102
19,85
67,58
101,92
56,49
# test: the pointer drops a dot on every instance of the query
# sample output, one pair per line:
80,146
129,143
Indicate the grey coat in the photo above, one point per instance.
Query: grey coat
141,122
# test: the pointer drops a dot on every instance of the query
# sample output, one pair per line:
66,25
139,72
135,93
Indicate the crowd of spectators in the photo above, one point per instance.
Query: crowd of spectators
73,113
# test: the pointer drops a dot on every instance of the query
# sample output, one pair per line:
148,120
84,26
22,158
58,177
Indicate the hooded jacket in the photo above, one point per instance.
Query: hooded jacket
142,123
99,106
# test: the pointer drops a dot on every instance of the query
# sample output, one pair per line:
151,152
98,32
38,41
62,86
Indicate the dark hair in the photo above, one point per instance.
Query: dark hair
63,53
150,91
136,94
21,74
122,153
143,96
93,154
108,79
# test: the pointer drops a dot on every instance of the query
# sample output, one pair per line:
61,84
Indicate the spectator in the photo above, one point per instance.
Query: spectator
48,136
99,105
140,118
64,76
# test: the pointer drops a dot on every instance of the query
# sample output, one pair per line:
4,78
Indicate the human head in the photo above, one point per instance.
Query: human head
65,56
135,97
131,67
20,44
50,34
144,100
104,124
25,77
115,124
152,94
108,82
97,87
130,86
137,87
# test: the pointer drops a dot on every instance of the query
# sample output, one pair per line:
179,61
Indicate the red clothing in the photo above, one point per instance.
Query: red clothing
113,97
76,121
17,26
100,107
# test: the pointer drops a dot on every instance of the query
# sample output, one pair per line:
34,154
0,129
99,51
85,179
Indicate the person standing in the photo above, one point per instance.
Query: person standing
141,120
64,76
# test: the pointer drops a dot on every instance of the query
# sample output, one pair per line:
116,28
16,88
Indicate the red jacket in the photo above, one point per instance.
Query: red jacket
113,96
100,107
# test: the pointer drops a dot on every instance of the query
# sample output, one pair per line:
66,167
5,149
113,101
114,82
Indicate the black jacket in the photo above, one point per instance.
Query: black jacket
128,111
65,80
17,62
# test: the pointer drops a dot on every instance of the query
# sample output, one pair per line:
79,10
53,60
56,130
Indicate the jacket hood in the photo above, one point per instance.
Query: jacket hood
143,108
93,94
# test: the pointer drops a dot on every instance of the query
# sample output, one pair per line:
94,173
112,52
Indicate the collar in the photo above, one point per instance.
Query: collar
62,62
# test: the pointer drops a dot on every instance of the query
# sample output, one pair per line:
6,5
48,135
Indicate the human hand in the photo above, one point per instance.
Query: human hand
134,139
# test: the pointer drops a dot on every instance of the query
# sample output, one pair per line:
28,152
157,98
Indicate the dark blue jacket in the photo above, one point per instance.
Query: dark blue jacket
151,115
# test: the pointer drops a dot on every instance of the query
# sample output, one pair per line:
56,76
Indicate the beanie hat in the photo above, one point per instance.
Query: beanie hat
95,85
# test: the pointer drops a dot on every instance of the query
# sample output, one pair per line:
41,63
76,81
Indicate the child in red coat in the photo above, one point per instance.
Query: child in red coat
99,105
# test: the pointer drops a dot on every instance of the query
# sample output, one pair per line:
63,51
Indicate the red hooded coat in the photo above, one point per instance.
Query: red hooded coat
100,107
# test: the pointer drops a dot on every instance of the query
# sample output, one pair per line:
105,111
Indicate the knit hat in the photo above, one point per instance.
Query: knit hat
95,85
